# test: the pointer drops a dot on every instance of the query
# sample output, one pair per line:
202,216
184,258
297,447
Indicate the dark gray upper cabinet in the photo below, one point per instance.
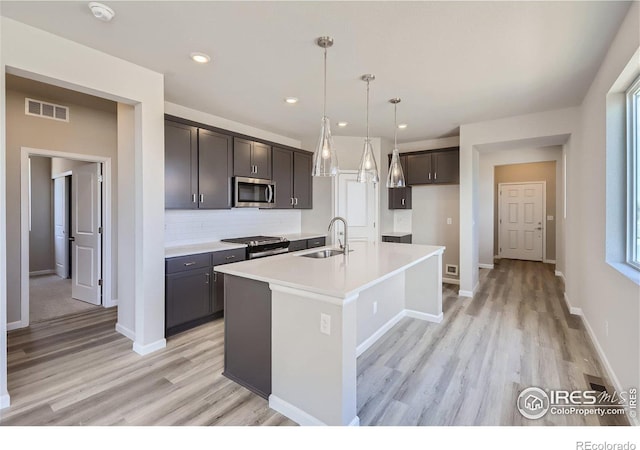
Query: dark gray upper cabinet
283,176
440,166
215,160
180,166
198,164
251,159
400,198
292,174
446,167
418,169
302,184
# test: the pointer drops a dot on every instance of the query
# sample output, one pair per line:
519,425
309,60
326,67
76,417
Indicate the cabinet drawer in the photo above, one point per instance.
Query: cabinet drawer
189,262
295,246
228,256
316,242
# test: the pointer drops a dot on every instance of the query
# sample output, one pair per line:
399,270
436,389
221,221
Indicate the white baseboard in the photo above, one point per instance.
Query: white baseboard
378,334
451,280
424,316
549,261
5,400
572,309
299,416
15,325
463,293
485,266
496,257
607,366
110,303
126,332
561,275
35,273
149,348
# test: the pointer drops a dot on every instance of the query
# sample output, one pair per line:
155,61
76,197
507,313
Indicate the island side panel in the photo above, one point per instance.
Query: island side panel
314,374
247,333
423,289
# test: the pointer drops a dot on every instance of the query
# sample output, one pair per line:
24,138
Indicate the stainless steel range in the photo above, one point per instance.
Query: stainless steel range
259,246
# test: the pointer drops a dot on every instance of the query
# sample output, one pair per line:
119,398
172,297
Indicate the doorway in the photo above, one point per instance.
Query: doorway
521,229
358,204
80,232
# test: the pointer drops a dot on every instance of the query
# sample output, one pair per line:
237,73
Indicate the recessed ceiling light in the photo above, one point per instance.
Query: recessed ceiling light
101,12
402,126
200,58
343,124
291,100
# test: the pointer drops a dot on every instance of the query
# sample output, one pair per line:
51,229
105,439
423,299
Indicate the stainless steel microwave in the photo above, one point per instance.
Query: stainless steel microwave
253,193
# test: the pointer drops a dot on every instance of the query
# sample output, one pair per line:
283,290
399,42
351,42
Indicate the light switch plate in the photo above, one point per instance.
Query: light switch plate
449,221
549,217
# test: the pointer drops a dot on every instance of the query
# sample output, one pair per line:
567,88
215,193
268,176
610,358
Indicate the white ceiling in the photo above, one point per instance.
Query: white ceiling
451,62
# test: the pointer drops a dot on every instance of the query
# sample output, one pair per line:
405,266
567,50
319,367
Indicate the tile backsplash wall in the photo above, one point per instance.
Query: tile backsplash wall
183,227
402,220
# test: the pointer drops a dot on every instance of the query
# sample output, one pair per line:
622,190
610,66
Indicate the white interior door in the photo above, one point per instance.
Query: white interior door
521,224
357,203
61,226
85,229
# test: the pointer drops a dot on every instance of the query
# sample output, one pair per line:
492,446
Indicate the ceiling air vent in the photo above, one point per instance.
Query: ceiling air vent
46,110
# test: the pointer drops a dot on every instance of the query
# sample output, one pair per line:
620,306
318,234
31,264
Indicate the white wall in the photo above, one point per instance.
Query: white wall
486,207
610,301
36,54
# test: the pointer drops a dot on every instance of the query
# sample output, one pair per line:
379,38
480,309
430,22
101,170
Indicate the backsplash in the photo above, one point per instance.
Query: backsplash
402,220
183,227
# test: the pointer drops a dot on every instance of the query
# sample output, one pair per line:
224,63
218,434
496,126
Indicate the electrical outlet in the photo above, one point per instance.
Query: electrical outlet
375,307
325,324
449,221
606,327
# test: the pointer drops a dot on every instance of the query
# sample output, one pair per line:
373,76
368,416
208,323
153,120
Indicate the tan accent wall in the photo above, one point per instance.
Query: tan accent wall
41,256
90,131
539,171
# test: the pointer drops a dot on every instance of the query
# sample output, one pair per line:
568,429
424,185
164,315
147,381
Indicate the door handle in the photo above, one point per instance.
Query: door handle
201,198
296,203
402,202
429,175
539,228
187,264
435,175
206,278
269,193
193,198
291,201
72,239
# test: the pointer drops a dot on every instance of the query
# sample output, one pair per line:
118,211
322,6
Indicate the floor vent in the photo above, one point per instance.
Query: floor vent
46,110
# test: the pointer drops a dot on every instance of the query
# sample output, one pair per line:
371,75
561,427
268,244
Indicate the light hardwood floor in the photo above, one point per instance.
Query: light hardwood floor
469,369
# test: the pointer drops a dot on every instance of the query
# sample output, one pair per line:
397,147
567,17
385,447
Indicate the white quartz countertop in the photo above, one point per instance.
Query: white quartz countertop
335,276
397,233
204,247
300,236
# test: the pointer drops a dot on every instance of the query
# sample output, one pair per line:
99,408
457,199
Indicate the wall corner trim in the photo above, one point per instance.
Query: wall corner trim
572,309
463,293
451,280
142,349
424,316
485,266
126,332
5,400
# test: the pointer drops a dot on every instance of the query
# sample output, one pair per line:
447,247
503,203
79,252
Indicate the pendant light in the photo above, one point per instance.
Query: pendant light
396,175
368,170
325,160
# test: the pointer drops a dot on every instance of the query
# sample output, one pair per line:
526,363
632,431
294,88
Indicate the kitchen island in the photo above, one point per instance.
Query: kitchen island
323,313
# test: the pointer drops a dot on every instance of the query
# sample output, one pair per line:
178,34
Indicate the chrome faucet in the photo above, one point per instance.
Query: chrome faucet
345,247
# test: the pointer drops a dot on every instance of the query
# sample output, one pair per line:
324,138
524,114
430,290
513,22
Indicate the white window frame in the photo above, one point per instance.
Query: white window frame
633,172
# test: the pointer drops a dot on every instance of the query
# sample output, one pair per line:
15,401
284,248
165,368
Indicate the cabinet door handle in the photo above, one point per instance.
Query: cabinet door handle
435,175
429,175
193,198
402,202
190,263
230,257
215,277
296,203
201,198
206,278
291,201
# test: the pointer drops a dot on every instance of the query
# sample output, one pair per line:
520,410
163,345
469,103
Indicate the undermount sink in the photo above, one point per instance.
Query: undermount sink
323,253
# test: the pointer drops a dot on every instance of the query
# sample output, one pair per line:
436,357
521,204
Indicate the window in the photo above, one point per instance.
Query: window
633,171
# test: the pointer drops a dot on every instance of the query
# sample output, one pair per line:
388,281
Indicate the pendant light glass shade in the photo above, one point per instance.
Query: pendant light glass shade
368,169
395,179
325,160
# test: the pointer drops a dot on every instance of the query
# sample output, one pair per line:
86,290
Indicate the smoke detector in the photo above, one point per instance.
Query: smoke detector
101,12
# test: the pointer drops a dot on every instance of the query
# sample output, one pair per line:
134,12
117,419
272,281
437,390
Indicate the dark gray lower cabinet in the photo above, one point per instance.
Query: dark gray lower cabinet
247,333
296,246
316,242
188,297
404,239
